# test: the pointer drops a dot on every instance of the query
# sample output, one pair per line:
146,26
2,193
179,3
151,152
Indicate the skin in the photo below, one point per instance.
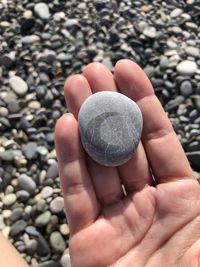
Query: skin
157,221
9,256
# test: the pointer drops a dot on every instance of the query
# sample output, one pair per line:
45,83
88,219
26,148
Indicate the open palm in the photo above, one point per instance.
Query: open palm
146,222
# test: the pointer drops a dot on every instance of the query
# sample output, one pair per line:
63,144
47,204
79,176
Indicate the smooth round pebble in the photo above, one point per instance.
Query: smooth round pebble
57,242
18,227
9,199
42,10
64,229
65,260
43,219
23,196
110,127
192,51
27,183
150,32
18,85
46,192
31,246
187,68
57,205
176,12
52,171
186,88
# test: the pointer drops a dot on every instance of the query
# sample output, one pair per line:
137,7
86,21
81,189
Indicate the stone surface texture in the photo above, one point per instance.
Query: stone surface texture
110,127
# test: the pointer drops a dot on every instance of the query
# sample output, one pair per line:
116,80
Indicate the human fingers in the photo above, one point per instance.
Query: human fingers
76,90
135,173
105,180
81,205
163,149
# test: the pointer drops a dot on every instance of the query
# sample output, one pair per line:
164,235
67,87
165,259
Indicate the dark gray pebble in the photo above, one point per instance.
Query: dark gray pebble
43,248
13,107
110,126
30,150
186,88
16,214
27,183
17,228
22,196
52,171
31,246
194,159
31,230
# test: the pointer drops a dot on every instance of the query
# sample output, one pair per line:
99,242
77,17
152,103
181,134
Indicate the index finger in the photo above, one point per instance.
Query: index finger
164,151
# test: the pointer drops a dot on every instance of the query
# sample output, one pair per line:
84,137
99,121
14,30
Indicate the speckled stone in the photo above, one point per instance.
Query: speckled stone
110,127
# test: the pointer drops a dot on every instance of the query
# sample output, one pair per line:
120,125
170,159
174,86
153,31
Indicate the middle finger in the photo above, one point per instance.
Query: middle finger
135,173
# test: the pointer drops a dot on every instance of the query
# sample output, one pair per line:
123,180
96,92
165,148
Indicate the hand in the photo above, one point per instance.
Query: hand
153,224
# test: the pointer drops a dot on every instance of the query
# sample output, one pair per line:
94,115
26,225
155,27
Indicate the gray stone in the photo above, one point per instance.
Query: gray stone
150,32
31,230
110,127
187,68
43,219
58,16
186,88
65,260
163,62
42,150
108,63
174,103
46,192
41,205
82,6
57,242
7,60
30,150
22,196
194,159
18,85
52,171
31,246
30,39
176,12
191,26
192,51
34,104
9,199
7,155
43,248
17,228
71,22
13,107
16,214
194,146
3,112
42,10
57,205
21,248
26,183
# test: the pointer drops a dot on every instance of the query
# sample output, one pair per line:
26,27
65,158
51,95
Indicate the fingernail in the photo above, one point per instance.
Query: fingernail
68,114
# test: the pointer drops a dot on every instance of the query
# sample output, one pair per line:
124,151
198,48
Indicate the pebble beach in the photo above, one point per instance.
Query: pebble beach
41,44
